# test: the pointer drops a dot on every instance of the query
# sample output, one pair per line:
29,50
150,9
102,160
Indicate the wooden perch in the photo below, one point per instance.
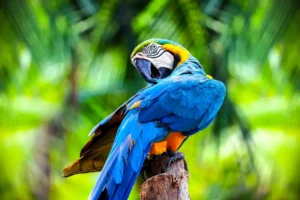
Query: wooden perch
163,182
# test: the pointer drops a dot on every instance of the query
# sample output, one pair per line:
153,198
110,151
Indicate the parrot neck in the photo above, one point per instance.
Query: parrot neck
192,65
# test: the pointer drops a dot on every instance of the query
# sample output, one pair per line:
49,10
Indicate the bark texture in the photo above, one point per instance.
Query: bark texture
165,182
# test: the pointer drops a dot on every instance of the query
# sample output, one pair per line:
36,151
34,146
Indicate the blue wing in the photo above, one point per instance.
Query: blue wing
126,158
186,103
94,154
114,117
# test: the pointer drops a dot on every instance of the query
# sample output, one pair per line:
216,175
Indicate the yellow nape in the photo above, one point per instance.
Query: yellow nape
135,105
209,76
179,51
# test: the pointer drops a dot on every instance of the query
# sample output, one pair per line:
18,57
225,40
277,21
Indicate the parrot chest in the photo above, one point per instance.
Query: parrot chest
171,143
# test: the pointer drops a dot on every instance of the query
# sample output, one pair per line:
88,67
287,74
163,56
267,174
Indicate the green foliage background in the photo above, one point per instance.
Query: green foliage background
64,66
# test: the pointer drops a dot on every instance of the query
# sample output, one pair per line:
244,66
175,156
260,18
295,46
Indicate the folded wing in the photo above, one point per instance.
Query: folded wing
186,103
94,154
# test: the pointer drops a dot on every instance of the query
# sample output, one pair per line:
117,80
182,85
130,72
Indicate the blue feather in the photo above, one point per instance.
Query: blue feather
186,103
104,176
130,149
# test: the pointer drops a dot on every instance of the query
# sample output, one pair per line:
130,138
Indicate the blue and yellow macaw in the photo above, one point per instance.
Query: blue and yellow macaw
180,100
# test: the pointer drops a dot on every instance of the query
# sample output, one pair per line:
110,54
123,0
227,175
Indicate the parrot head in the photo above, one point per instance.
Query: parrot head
156,59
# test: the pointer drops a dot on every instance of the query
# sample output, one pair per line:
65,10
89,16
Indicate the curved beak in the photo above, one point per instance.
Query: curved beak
143,66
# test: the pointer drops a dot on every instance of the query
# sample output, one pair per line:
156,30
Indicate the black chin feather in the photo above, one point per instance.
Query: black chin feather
164,72
176,60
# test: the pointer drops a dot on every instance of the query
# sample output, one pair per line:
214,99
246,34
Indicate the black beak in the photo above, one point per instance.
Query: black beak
149,72
144,68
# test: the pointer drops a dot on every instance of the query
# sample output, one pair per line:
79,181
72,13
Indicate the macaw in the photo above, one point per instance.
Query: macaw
179,101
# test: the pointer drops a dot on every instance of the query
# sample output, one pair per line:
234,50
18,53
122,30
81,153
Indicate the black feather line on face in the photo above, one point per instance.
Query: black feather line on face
153,51
176,60
164,72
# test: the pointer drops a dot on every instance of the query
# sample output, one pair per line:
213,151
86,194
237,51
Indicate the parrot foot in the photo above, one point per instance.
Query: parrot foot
175,156
142,173
144,169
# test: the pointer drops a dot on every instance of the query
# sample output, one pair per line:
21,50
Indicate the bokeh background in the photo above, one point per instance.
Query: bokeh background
64,66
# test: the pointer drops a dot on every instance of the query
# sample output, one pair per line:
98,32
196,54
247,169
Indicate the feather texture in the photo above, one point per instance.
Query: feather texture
94,154
185,103
131,146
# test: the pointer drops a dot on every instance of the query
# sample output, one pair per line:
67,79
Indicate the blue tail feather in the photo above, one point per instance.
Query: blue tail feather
126,159
104,176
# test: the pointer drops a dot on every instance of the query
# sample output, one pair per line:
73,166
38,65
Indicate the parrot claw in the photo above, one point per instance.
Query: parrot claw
176,156
144,169
142,173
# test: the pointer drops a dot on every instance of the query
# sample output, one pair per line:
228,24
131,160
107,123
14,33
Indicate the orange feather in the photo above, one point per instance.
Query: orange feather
171,143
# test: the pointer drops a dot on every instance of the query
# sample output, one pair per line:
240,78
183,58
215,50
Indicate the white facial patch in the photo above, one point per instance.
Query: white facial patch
157,56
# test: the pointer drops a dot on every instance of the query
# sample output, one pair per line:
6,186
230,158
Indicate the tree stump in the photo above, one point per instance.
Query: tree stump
165,182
